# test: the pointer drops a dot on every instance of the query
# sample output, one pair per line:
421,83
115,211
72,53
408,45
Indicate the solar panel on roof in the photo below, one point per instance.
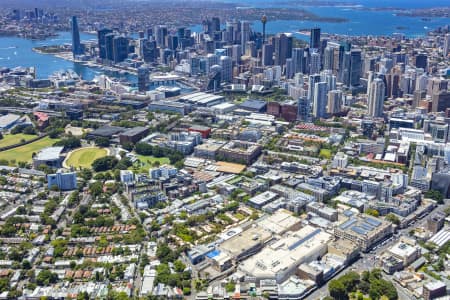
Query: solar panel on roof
366,226
373,222
359,230
348,223
348,213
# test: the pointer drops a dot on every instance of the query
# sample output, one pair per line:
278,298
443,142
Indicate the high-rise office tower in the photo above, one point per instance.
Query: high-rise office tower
143,77
283,48
440,101
446,47
313,79
245,34
77,48
120,49
215,24
109,46
101,35
370,78
160,35
236,53
320,100
328,58
328,77
250,49
211,60
304,108
289,68
421,61
355,67
298,59
267,55
376,98
172,42
314,38
227,68
435,85
314,66
350,72
231,30
148,51
334,101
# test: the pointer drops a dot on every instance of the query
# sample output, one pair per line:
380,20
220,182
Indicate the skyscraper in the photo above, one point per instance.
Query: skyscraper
267,54
313,79
320,100
289,68
215,24
245,34
303,105
328,58
227,68
143,76
101,34
148,51
334,101
283,48
314,38
120,48
376,98
109,46
446,48
421,61
314,67
298,59
77,48
355,67
160,35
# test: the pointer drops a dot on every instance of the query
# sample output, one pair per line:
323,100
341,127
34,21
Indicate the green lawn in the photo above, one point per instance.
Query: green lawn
25,153
84,157
11,139
146,162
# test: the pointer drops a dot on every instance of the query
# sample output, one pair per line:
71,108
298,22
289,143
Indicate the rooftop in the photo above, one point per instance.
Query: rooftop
245,240
403,250
49,153
8,119
287,253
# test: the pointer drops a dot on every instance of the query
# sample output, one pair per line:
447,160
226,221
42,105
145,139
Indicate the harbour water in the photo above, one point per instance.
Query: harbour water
16,51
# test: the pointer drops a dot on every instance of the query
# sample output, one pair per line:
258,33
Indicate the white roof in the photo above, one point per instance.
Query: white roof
441,237
49,153
8,119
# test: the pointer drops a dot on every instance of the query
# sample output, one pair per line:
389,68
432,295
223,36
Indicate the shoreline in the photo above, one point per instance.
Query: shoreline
68,57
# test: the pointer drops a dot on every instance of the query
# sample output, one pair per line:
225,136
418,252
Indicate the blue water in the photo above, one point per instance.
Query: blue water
360,22
18,52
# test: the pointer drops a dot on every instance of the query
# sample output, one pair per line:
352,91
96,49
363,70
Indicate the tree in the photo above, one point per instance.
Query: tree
380,287
393,219
70,142
372,212
86,174
435,195
96,188
230,286
26,264
337,290
104,163
46,277
128,146
102,142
